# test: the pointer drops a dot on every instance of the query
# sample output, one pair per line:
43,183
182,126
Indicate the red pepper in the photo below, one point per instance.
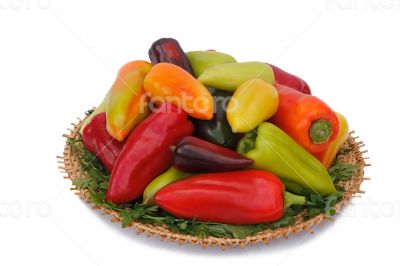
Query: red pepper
194,155
97,140
241,197
307,119
146,153
284,78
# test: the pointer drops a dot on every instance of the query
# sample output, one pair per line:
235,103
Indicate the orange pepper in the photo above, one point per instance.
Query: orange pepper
305,118
327,157
170,83
127,102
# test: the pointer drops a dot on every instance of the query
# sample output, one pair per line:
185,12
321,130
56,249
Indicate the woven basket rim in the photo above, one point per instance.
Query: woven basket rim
70,167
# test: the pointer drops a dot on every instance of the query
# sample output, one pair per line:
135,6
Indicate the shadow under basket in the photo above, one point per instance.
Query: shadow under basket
70,166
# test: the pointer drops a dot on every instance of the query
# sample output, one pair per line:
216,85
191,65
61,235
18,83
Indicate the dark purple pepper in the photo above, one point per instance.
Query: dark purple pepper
194,155
168,50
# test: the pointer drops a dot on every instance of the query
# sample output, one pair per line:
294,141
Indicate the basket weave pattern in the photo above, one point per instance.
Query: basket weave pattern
70,166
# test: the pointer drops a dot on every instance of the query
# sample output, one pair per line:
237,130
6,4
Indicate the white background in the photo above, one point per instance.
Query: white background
58,58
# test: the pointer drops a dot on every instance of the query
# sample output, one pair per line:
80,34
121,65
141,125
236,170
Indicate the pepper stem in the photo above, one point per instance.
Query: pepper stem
292,199
320,131
172,148
247,143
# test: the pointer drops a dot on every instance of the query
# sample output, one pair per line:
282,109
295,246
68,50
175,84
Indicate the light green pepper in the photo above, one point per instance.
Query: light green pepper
161,181
274,151
201,60
231,75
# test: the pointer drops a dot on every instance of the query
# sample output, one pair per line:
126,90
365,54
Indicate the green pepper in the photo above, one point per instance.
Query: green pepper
217,130
201,60
161,181
273,150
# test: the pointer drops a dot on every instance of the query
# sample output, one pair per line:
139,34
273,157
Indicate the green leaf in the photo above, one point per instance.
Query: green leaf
311,212
340,171
331,202
126,219
182,225
81,183
104,185
286,220
318,205
97,198
170,219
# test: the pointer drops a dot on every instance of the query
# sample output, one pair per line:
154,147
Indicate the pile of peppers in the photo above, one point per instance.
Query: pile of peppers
208,138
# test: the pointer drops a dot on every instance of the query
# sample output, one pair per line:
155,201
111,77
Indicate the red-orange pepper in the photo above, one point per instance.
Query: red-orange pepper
306,118
239,197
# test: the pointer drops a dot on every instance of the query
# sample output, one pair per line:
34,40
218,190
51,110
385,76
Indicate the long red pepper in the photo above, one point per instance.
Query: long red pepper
97,140
307,119
240,197
285,78
146,153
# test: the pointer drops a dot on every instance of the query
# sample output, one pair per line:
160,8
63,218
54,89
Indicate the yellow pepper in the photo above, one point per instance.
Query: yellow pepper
326,157
127,103
253,102
100,109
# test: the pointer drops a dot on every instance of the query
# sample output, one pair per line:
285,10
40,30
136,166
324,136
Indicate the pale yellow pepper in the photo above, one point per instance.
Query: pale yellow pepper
229,76
252,103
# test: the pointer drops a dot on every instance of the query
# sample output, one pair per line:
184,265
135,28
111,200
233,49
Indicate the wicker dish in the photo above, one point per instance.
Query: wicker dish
70,166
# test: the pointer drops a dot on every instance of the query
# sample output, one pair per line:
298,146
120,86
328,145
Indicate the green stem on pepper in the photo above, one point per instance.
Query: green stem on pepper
292,199
320,131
